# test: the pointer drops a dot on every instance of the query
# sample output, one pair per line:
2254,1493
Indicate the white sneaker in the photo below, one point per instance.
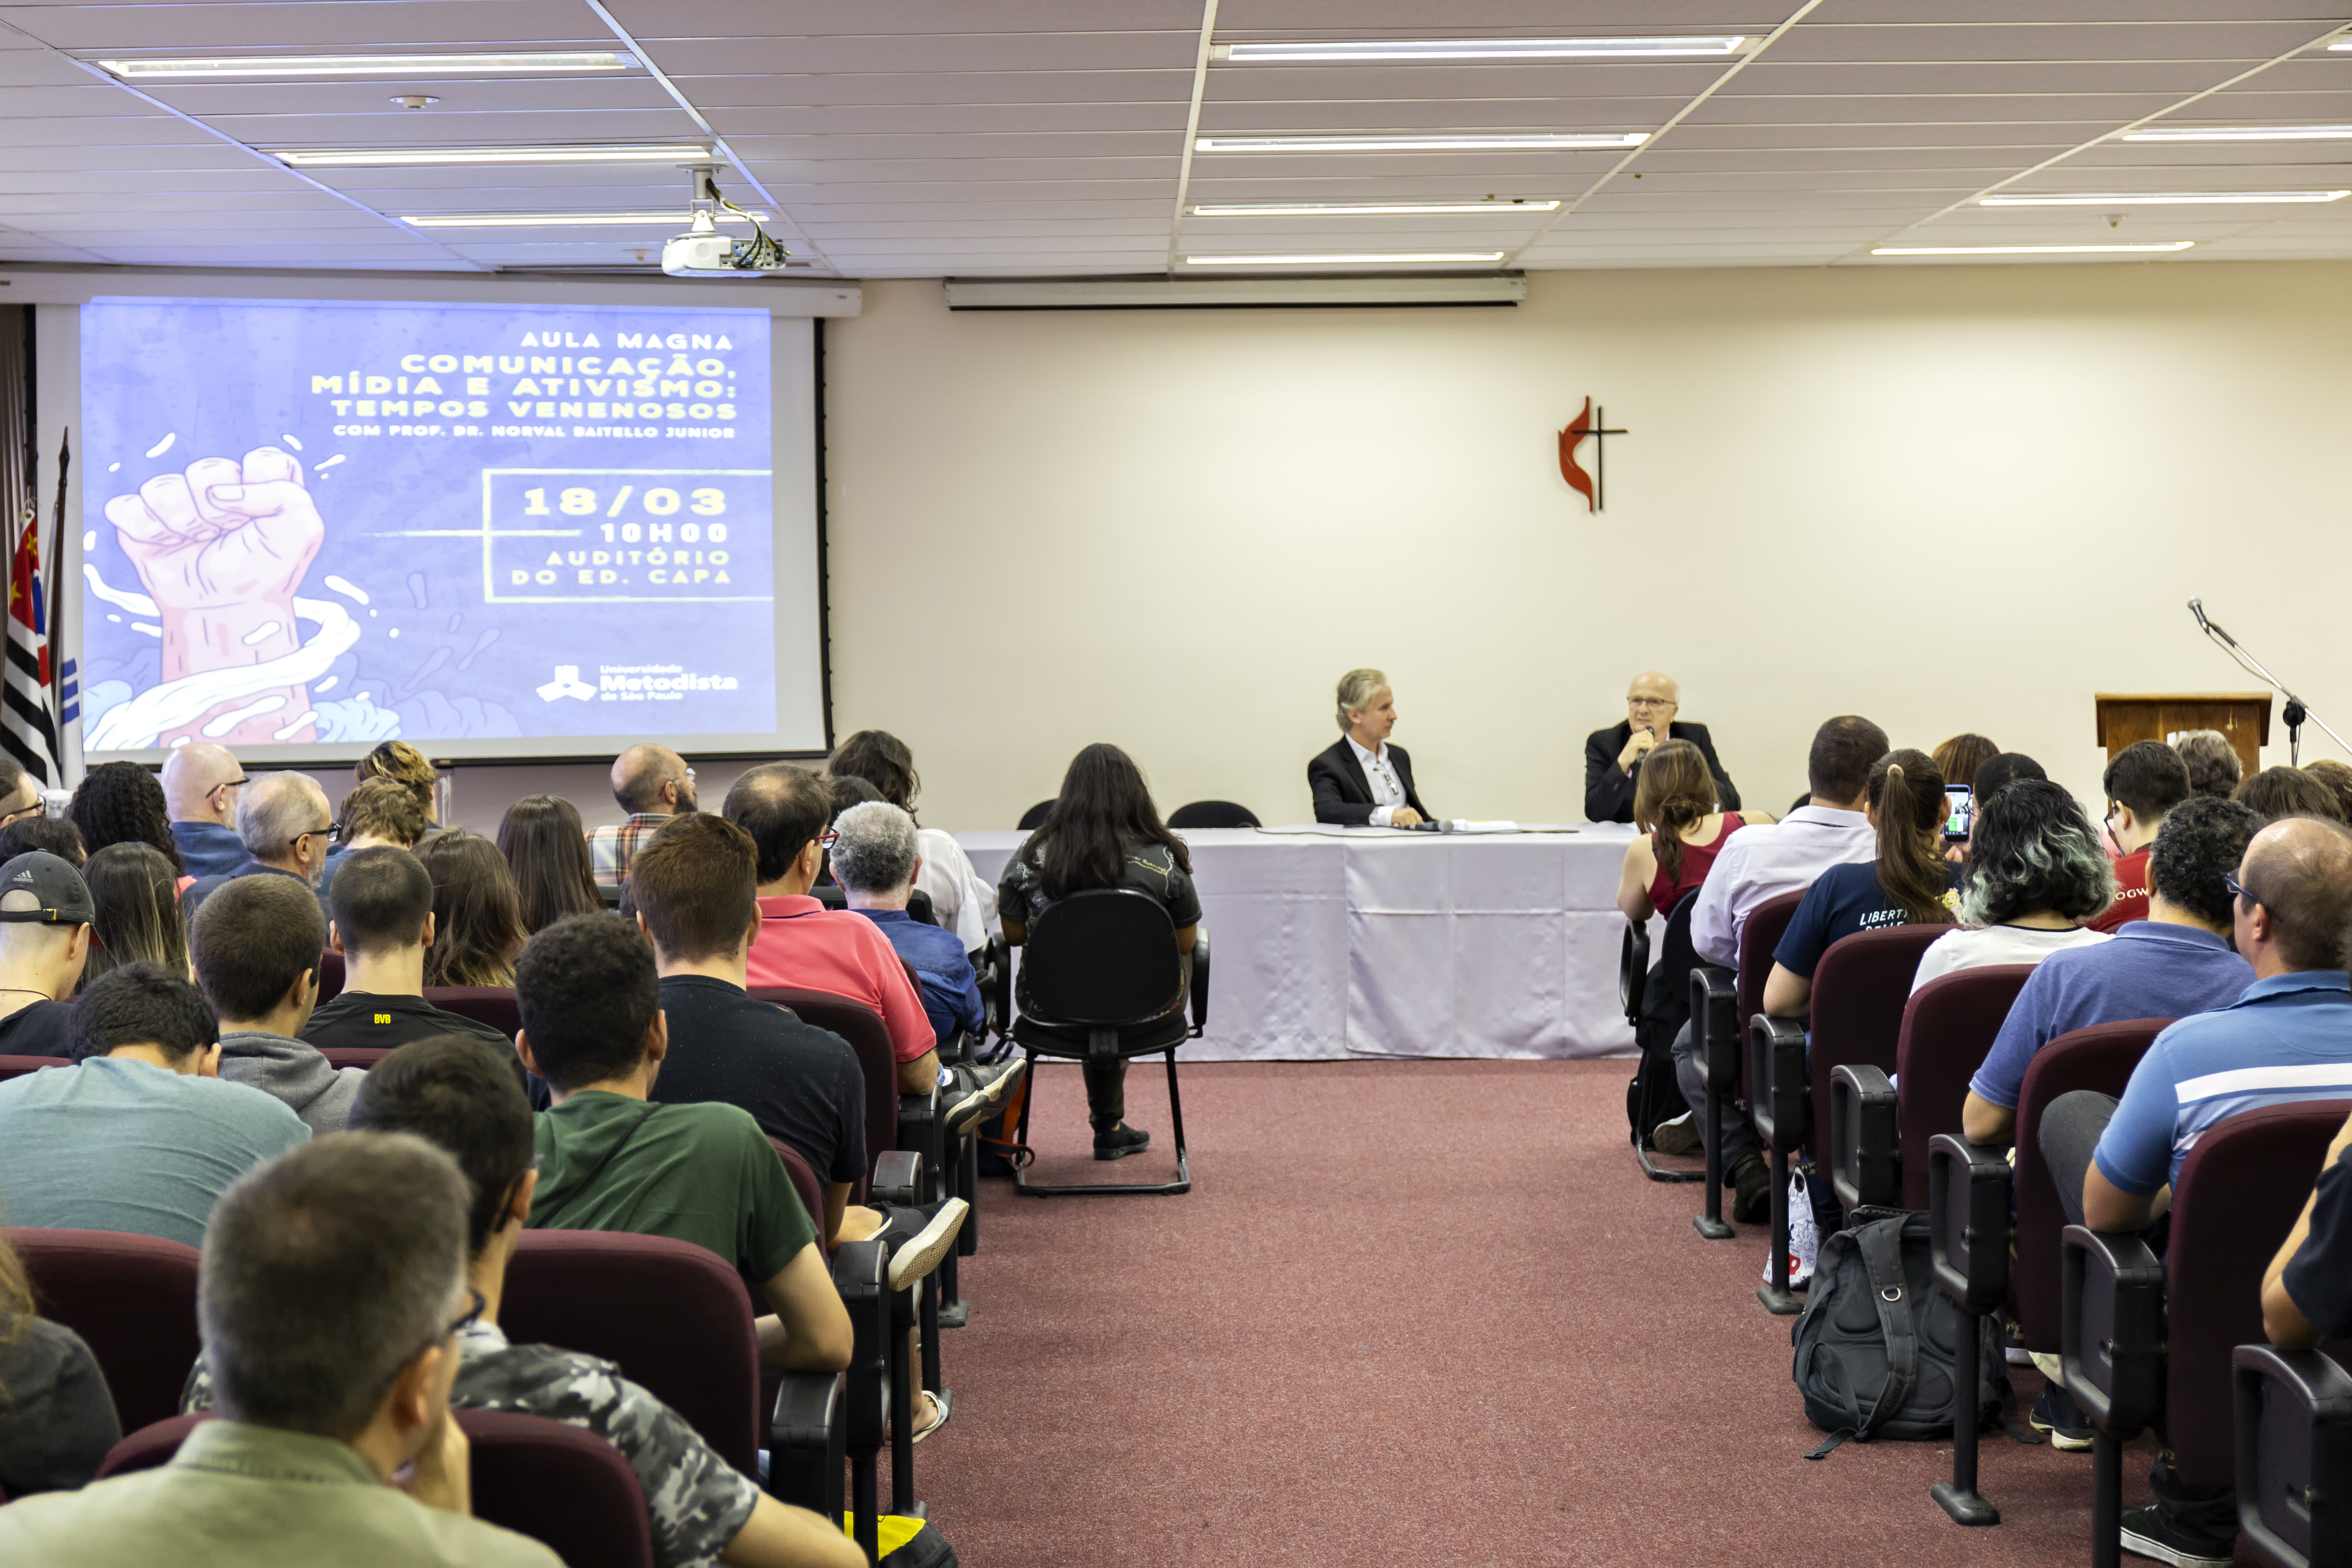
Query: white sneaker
922,1252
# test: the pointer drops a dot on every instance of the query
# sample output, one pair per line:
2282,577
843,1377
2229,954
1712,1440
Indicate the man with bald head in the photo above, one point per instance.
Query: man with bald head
286,829
200,785
2287,1039
1613,757
653,785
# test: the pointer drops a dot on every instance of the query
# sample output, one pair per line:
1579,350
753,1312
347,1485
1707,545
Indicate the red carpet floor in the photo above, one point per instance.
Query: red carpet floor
1412,1312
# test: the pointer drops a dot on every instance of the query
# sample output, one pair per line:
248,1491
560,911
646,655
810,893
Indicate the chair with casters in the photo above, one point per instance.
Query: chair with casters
132,1299
1721,1002
1035,816
1104,983
1212,813
1656,999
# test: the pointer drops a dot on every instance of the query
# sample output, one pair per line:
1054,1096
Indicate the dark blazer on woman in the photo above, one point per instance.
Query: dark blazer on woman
1342,793
1609,789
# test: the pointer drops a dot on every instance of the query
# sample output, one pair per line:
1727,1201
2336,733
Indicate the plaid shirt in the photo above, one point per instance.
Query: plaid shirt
610,850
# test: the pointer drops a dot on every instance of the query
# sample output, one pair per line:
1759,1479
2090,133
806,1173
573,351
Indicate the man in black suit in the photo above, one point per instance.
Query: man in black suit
1362,781
1613,757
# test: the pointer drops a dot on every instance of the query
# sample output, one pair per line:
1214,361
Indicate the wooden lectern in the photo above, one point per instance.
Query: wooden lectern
2243,716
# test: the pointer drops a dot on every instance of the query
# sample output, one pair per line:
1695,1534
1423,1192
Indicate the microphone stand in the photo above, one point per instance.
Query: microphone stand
2294,712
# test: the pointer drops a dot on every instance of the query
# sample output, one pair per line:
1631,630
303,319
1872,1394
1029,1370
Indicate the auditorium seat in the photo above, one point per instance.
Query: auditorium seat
567,1488
869,1037
804,1182
1883,1125
1722,1002
1212,814
132,1299
359,1056
2293,1419
1035,816
330,977
491,1005
18,1067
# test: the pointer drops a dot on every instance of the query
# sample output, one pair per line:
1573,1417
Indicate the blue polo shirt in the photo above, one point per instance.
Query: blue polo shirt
2149,971
950,990
2288,1040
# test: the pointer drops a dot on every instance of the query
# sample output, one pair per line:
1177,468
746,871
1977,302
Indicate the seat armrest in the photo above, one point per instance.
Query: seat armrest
808,1437
1865,1152
2111,1328
1633,970
1714,992
1776,1073
1199,982
2294,1411
861,1274
897,1177
921,1132
1967,1222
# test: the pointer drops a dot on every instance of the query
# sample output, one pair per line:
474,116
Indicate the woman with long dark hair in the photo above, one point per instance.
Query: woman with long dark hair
960,900
1683,829
1906,884
2036,872
1103,832
546,850
477,919
133,892
120,802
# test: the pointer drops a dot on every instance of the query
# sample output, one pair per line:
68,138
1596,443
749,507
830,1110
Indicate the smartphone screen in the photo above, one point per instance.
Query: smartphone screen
1955,812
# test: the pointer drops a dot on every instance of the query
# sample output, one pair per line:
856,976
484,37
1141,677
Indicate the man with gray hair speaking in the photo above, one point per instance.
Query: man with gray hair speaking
331,1296
286,829
876,861
1613,757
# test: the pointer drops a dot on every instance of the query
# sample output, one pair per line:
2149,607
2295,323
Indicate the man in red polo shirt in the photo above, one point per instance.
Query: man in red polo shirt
801,944
2145,780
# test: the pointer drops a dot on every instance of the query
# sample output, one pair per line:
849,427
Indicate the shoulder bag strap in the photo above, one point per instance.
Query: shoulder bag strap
1881,1257
556,1206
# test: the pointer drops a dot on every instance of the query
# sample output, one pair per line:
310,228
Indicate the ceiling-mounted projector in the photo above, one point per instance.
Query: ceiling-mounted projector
703,252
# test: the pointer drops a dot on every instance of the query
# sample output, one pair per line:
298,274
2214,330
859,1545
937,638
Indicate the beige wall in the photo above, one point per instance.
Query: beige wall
1948,498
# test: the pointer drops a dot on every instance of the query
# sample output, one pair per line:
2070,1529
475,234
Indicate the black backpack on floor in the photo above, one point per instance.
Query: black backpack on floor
1875,1343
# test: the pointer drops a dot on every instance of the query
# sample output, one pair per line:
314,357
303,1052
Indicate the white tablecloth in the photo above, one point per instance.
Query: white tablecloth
1330,942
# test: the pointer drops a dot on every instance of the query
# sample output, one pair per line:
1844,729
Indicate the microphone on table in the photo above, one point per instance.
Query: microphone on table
1443,825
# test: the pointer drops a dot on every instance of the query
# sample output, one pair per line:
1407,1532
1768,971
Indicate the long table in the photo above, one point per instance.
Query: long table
1330,942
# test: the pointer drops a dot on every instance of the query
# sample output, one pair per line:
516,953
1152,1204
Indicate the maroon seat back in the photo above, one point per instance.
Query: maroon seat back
18,1067
331,976
1768,922
359,1056
1859,989
673,1316
804,1182
863,1027
491,1005
2099,1057
2239,1190
1947,1027
568,1489
132,1299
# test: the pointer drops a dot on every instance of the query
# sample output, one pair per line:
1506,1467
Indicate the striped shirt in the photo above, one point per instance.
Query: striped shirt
2288,1039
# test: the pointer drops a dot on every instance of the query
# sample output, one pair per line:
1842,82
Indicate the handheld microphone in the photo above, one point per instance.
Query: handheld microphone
2197,608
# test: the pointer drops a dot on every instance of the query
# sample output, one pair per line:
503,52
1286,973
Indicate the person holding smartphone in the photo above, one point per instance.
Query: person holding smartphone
1613,757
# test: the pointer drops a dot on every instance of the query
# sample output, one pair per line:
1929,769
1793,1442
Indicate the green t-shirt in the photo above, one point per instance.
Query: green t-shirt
704,1173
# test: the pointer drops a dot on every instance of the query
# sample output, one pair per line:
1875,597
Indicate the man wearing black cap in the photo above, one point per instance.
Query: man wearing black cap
45,916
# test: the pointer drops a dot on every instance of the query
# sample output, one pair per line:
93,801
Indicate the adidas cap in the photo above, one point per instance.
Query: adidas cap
64,897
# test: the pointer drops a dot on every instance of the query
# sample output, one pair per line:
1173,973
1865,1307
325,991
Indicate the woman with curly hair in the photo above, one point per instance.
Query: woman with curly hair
960,900
121,803
2036,872
477,917
402,764
547,851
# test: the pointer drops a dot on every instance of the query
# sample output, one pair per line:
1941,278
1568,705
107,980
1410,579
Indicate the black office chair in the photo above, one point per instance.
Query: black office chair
1214,814
1101,971
1657,1005
1035,816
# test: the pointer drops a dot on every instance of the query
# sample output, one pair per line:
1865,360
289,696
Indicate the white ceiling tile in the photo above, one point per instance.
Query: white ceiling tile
322,26
2208,44
921,87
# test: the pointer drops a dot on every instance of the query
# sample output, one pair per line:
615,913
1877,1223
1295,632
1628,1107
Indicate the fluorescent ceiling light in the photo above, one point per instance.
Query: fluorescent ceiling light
1458,141
2242,134
2340,47
1367,51
1412,257
570,220
2023,250
2164,199
399,157
1237,293
1364,209
370,64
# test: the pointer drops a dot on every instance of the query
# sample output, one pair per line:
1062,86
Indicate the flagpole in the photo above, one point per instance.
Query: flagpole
53,568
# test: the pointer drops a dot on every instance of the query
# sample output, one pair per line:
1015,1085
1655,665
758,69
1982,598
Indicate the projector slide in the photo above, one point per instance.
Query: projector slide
344,523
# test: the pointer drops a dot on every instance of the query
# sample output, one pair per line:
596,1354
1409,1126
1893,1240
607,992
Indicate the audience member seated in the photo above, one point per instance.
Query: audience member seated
455,1096
547,853
382,926
877,860
135,911
255,944
376,814
1676,808
120,802
2307,1290
1907,884
139,1135
844,790
1959,758
50,835
2338,777
962,900
2115,1162
20,793
1361,780
2289,791
2035,872
477,916
653,785
2212,763
331,1296
2145,780
1831,828
609,1159
57,1420
287,828
398,762
45,936
1103,832
805,945
1614,758
200,790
